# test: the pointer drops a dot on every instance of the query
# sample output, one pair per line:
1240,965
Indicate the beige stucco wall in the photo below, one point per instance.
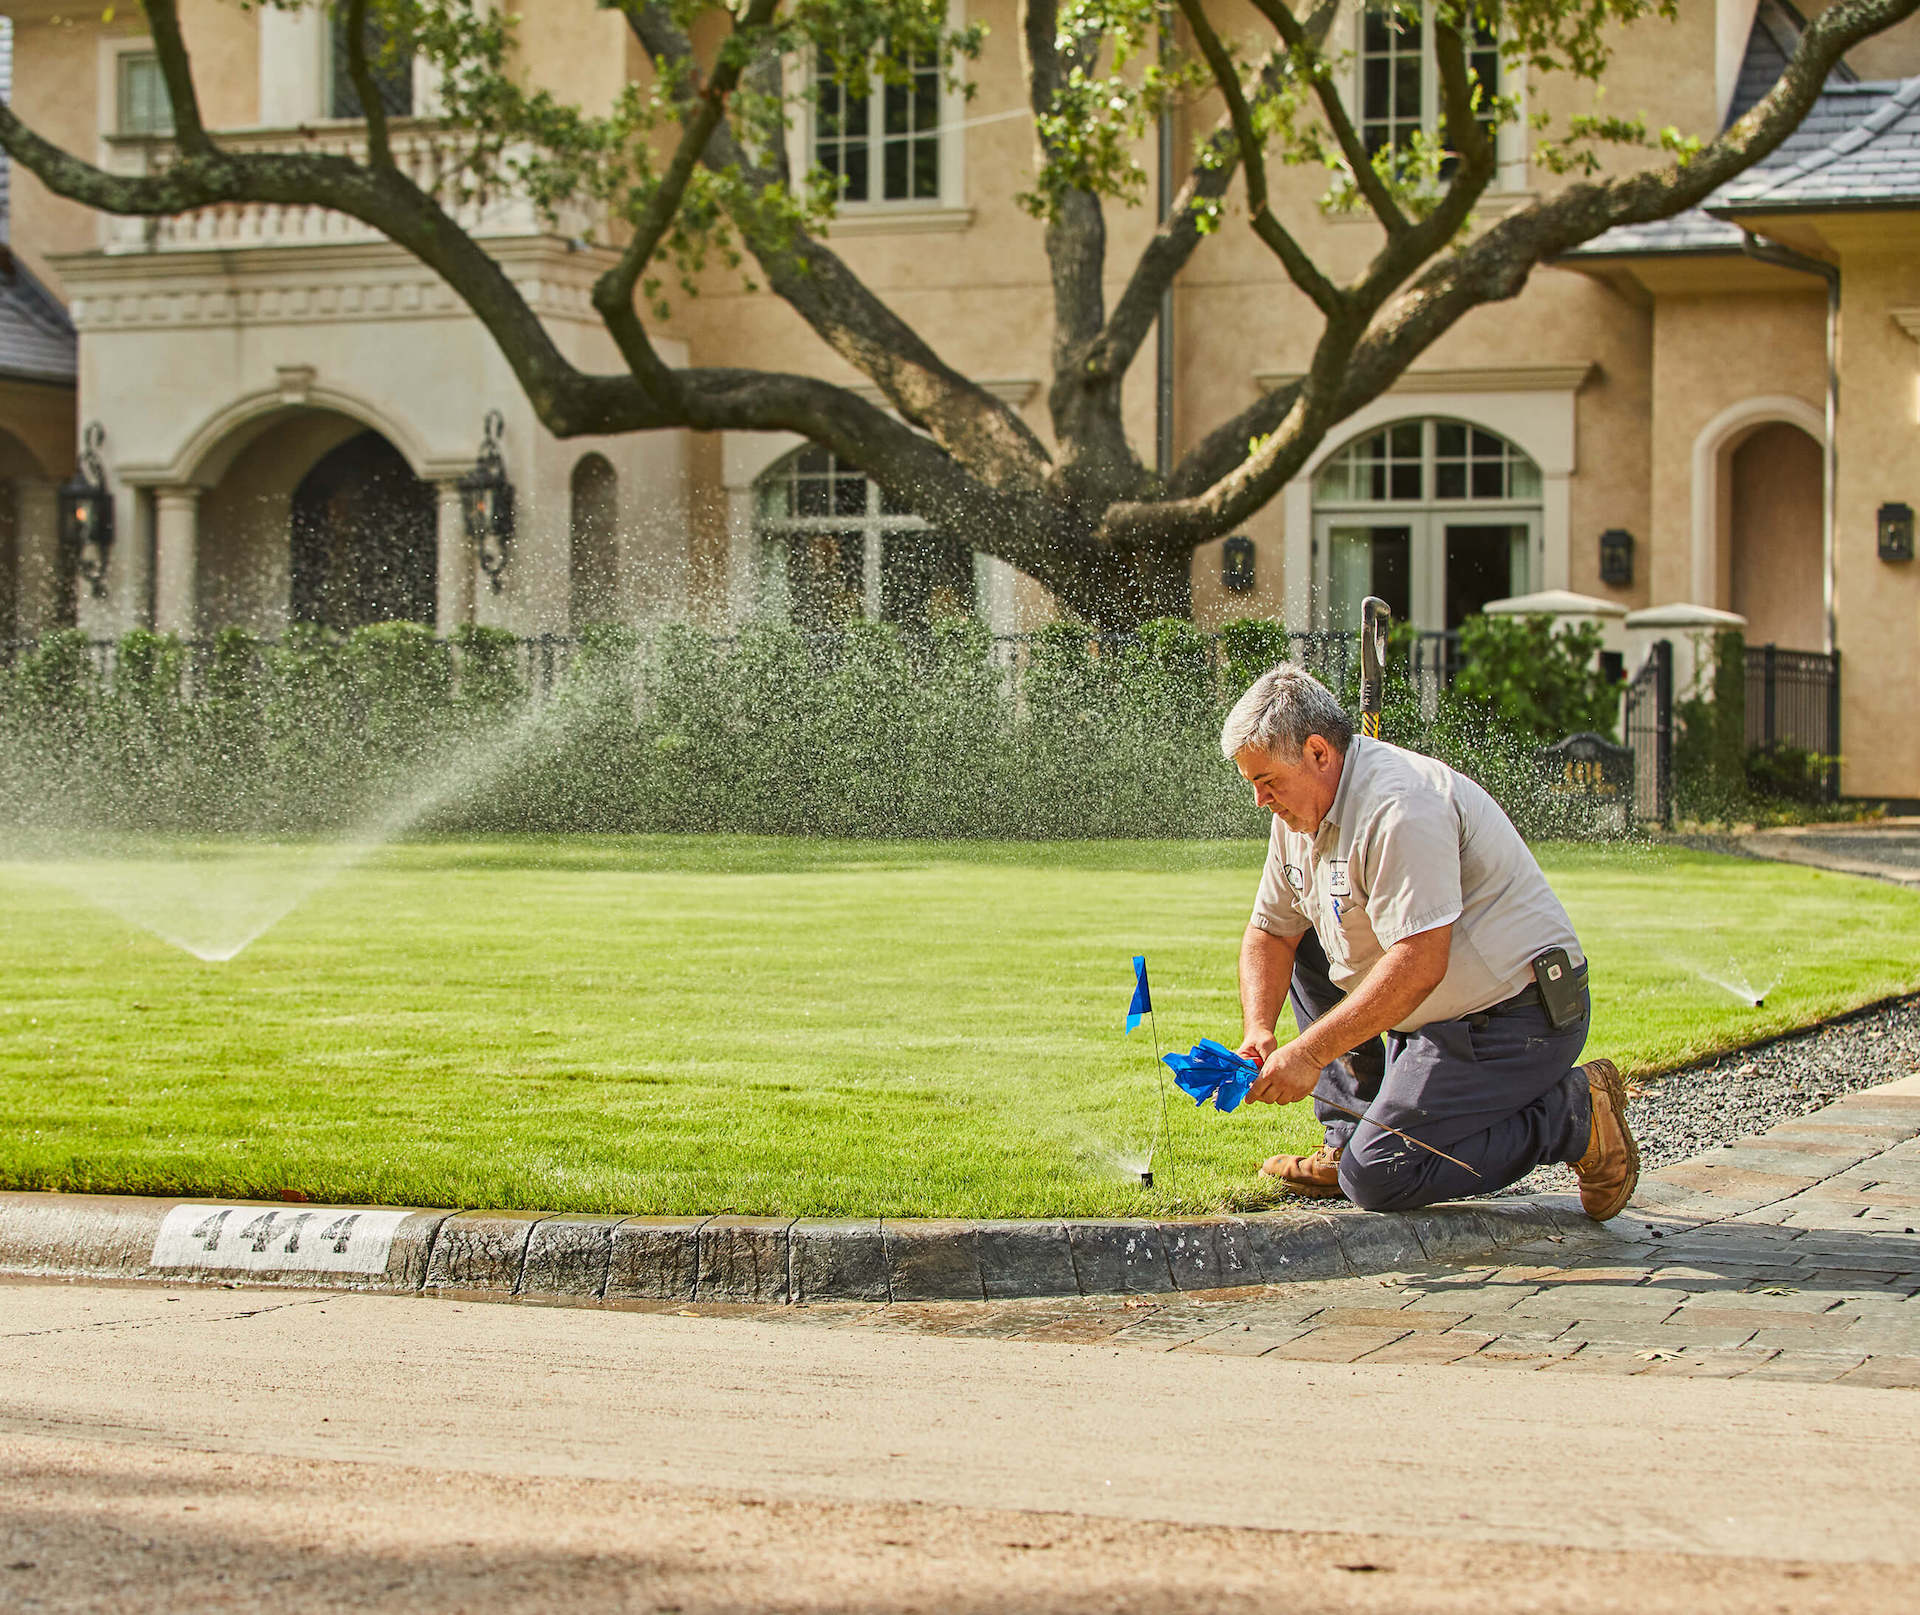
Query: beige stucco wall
1712,354
1877,603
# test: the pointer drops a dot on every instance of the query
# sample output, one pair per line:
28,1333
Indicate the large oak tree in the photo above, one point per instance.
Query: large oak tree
691,166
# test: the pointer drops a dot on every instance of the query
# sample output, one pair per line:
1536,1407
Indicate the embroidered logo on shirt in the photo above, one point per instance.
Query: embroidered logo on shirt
1337,885
1295,879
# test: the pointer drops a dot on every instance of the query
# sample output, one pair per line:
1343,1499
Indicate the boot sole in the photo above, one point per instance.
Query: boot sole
1616,1091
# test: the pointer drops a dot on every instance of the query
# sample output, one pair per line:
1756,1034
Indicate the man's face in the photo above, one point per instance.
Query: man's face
1298,792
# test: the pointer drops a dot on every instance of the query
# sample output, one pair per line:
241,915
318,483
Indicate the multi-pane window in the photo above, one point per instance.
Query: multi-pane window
1400,80
392,73
884,146
144,107
1471,464
851,551
1414,462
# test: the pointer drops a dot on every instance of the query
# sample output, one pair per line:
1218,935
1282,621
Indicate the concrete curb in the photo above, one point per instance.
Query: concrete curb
574,1260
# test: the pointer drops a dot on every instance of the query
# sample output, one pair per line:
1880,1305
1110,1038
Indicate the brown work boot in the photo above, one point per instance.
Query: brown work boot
1610,1170
1315,1176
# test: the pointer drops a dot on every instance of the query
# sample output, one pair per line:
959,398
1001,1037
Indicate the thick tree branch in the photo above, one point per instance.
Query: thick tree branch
366,91
1307,55
980,430
1301,269
1493,267
176,68
613,292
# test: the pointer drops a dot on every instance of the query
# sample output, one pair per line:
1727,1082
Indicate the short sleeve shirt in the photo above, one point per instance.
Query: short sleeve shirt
1409,845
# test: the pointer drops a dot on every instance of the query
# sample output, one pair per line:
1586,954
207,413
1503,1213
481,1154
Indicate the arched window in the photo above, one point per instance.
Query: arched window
593,558
1437,517
849,551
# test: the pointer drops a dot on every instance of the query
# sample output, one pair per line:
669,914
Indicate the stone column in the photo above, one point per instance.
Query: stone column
176,569
36,537
454,563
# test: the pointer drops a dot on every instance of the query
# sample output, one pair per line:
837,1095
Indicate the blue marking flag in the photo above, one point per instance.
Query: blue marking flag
1213,1071
1142,999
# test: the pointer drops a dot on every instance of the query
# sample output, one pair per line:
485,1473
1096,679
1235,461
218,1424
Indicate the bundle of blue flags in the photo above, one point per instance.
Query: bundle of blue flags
1213,1071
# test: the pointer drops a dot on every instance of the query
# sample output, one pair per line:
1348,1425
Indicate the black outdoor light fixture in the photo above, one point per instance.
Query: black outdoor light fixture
1896,532
1236,565
86,512
486,498
1616,558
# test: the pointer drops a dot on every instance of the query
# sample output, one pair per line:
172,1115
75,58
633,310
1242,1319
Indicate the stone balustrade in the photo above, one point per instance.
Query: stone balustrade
430,155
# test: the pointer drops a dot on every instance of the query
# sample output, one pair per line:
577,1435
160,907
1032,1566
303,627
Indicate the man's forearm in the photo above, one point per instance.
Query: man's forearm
1266,971
1397,986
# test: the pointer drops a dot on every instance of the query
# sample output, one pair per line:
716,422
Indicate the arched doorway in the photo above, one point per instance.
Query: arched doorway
362,539
848,551
1775,477
1437,517
593,557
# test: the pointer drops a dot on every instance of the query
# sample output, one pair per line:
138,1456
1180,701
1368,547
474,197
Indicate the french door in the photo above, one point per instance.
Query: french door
1433,568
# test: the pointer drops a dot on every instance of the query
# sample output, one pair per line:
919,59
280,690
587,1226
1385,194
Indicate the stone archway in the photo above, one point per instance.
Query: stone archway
362,545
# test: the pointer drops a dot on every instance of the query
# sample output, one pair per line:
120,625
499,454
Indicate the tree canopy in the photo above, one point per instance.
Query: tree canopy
689,169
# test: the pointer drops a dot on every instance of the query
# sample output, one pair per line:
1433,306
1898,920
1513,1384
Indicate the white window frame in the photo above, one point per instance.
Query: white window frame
112,51
948,211
296,55
1510,140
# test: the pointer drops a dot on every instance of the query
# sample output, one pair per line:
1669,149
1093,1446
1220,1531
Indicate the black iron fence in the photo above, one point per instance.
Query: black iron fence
1793,720
1647,722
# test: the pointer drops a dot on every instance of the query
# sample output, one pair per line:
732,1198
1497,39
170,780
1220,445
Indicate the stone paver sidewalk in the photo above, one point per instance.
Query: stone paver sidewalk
1792,1255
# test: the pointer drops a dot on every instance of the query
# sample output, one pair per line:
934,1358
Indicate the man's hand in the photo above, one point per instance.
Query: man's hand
1256,1046
1286,1074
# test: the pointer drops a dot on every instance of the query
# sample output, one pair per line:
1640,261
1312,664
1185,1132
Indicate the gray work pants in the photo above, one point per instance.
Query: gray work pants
1500,1091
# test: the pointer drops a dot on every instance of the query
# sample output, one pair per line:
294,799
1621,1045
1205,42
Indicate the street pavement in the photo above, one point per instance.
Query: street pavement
1713,1409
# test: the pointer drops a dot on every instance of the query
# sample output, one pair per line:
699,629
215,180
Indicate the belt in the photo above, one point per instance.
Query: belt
1528,997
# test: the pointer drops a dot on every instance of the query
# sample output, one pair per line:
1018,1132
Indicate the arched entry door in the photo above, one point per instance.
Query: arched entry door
1775,482
362,539
1437,517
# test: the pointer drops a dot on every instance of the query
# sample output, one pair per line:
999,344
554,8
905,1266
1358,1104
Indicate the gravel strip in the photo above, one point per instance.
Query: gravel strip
1747,1091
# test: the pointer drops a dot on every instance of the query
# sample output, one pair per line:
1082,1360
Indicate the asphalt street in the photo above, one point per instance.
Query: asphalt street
201,1448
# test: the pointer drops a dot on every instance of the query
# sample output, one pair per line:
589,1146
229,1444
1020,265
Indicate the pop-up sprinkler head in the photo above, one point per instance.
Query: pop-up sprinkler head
1759,1003
1146,1178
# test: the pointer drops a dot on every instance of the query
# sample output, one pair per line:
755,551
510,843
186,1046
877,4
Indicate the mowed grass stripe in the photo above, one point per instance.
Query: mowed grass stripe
680,1025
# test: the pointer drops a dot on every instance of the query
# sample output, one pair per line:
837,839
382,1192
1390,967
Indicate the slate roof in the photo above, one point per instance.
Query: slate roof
37,341
1845,105
1862,152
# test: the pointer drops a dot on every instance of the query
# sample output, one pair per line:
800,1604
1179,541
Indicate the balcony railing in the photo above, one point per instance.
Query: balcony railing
432,156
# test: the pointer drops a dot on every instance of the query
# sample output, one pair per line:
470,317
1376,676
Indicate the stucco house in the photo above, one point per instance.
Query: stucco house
288,402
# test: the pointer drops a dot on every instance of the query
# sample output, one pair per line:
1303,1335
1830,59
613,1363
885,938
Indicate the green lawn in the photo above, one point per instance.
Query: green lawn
709,1024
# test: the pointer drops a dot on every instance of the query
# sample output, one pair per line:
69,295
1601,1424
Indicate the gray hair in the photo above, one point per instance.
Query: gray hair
1278,712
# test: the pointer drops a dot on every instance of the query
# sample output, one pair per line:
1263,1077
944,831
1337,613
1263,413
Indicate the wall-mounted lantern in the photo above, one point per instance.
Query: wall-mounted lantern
1896,532
486,499
1236,564
1616,558
86,512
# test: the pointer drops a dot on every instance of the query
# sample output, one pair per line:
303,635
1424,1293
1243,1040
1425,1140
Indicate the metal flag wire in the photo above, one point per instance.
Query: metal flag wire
1141,1006
1361,1115
1166,1124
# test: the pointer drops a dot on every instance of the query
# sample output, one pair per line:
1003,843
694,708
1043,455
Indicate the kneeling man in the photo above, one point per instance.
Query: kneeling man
1403,914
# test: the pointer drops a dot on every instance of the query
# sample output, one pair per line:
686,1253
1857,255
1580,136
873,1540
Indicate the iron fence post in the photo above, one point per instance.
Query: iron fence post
1663,729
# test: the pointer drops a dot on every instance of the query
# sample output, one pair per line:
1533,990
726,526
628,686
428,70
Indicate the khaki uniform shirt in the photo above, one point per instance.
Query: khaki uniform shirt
1409,845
